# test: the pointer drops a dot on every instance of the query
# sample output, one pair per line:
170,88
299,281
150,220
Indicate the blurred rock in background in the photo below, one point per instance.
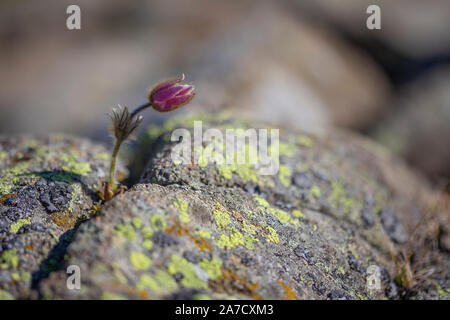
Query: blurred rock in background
234,54
290,71
311,64
418,128
413,27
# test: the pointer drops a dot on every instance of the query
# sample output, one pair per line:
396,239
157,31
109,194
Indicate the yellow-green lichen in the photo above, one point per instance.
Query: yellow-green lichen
249,241
182,207
100,268
262,203
225,171
341,270
246,172
283,216
298,213
140,261
190,279
15,227
53,234
111,296
250,213
242,162
165,280
161,283
201,296
25,276
10,177
315,191
147,282
221,217
75,167
212,267
158,222
339,198
147,244
201,156
32,143
203,233
284,174
75,197
5,295
361,297
15,276
137,222
126,231
147,232
286,149
43,151
249,231
441,291
177,162
3,155
249,228
118,275
232,240
321,264
272,235
9,259
305,141
102,156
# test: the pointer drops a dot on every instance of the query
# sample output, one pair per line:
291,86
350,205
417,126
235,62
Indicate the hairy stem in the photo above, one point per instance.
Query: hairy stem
139,109
112,168
117,144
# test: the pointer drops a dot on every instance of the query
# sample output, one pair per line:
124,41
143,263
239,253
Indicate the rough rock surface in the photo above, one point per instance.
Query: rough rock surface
337,207
46,189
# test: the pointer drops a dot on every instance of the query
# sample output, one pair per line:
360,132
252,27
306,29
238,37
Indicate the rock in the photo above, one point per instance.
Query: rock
230,49
418,130
47,187
352,177
415,29
392,227
225,228
195,230
444,238
308,77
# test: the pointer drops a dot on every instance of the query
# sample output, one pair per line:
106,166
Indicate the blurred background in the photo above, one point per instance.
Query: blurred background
306,63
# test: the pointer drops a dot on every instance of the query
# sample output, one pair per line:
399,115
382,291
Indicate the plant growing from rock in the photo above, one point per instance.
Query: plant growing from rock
165,96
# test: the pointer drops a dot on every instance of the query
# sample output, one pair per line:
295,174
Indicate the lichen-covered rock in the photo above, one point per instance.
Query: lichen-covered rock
336,173
47,186
175,242
333,223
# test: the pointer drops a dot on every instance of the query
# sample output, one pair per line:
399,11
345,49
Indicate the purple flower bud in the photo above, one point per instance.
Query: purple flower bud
171,94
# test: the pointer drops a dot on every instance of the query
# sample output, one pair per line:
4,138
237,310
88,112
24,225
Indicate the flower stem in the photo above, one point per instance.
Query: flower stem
112,168
118,142
139,109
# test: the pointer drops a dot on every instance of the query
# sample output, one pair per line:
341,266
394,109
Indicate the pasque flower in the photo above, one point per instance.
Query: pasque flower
170,95
165,96
123,124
